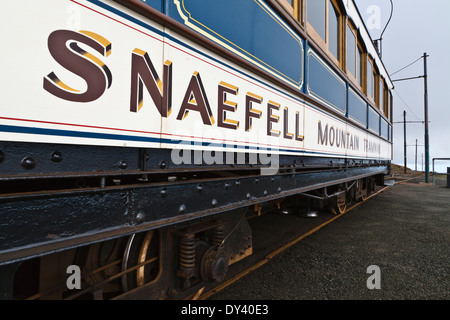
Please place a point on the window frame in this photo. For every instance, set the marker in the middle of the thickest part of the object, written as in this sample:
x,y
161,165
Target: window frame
x,y
362,61
294,10
376,80
324,43
385,99
382,93
370,92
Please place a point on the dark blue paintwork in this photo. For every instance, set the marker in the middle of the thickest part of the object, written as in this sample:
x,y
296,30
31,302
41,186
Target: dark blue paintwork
x,y
324,84
249,28
384,128
157,4
373,121
357,108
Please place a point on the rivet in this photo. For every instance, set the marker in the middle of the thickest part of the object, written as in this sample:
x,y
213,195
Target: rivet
x,y
140,217
162,165
214,202
56,156
164,192
279,189
182,209
200,187
28,163
248,195
123,164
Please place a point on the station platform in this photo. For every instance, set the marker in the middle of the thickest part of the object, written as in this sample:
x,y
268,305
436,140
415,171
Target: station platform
x,y
404,231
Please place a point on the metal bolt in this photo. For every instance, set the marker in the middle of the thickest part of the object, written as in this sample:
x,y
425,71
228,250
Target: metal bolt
x,y
214,202
123,164
140,217
56,156
164,192
182,209
28,163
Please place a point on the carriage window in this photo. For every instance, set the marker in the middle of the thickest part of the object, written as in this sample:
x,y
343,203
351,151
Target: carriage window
x,y
333,30
324,19
385,93
389,97
351,51
370,92
382,95
316,12
360,67
375,89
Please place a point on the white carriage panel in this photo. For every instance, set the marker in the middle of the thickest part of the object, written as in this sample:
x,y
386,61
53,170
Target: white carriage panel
x,y
385,150
220,106
373,146
320,134
354,141
30,112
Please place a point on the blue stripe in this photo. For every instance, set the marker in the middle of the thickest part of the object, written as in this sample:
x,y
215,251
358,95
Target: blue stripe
x,y
78,134
109,136
126,16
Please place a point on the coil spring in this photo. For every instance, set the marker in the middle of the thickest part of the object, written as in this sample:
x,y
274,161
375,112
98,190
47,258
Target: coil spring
x,y
187,252
217,235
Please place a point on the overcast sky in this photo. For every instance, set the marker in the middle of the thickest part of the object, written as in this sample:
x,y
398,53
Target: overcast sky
x,y
416,27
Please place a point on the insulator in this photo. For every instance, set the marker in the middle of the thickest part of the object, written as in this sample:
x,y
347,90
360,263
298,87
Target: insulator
x,y
187,252
217,235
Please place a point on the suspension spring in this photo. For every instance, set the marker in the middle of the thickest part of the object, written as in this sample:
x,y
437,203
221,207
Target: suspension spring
x,y
187,253
217,235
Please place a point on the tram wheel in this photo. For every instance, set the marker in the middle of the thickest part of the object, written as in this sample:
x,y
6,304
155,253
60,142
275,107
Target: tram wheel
x,y
141,249
339,209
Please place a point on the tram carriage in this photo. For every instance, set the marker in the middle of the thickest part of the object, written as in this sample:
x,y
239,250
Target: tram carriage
x,y
136,137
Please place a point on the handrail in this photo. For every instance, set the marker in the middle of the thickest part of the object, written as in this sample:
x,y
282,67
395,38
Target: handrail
x,y
434,173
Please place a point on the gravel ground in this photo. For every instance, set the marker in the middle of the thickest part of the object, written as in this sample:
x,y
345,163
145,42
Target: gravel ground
x,y
405,231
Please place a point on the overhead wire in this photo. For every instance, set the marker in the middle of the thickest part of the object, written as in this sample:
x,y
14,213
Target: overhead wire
x,y
406,66
407,105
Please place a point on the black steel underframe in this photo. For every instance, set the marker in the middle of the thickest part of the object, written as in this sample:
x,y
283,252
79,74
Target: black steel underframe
x,y
39,222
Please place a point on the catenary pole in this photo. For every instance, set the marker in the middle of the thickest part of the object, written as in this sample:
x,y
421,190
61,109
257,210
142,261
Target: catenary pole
x,y
416,156
427,142
404,141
